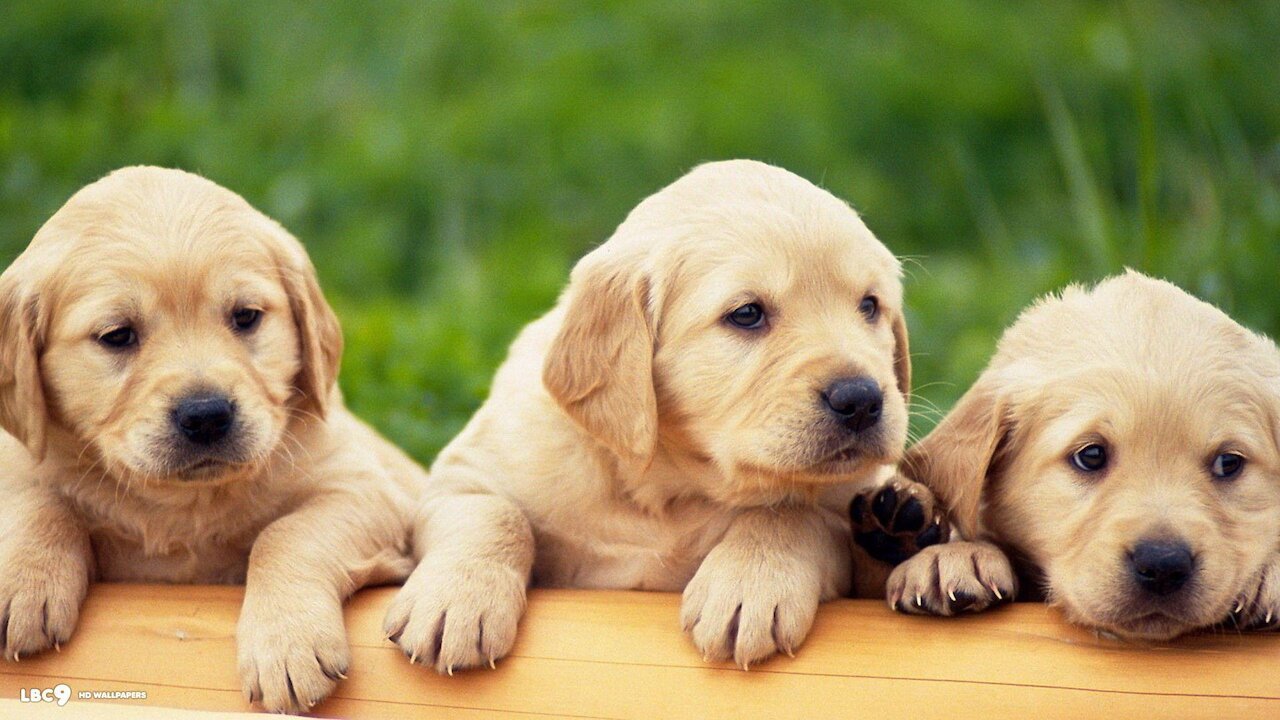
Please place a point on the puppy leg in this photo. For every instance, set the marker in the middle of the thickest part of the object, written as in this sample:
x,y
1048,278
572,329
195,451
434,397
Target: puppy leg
x,y
949,579
757,591
291,641
461,606
45,564
1259,608
892,522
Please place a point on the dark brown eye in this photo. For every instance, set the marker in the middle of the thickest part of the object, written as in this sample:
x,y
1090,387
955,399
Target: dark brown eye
x,y
1090,458
119,338
1227,466
245,319
747,317
870,308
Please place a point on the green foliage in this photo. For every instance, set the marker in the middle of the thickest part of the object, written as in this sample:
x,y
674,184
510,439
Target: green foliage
x,y
446,162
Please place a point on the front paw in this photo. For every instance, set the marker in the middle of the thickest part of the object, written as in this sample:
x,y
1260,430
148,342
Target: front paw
x,y
291,656
39,603
749,609
457,616
895,521
952,578
1259,608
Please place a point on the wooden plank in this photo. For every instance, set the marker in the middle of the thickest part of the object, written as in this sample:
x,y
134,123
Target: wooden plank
x,y
622,655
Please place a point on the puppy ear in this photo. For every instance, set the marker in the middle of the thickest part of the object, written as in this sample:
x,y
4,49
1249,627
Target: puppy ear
x,y
959,456
23,412
902,356
600,366
319,334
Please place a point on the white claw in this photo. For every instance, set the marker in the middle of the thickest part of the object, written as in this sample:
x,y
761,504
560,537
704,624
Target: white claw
x,y
919,602
951,594
449,669
492,665
996,590
1239,607
413,658
1268,620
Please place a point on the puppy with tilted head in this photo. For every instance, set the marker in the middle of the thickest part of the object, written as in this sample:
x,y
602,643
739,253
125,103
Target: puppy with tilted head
x,y
167,384
1123,450
692,415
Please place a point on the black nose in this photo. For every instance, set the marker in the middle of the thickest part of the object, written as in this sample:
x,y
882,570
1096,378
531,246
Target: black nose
x,y
855,401
204,419
1162,567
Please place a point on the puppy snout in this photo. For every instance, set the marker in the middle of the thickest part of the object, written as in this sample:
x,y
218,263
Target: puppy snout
x,y
855,402
204,419
1161,567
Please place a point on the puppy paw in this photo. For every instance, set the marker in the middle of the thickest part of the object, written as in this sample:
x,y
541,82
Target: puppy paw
x,y
39,604
291,657
748,610
1259,608
896,520
952,578
455,617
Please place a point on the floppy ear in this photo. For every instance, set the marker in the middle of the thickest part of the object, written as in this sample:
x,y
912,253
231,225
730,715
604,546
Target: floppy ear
x,y
600,366
902,356
958,457
23,412
319,334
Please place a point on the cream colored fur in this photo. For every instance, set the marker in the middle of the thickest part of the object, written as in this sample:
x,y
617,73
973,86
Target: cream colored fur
x,y
633,439
314,506
1166,383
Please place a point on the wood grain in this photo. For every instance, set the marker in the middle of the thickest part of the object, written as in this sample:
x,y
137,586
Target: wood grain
x,y
621,655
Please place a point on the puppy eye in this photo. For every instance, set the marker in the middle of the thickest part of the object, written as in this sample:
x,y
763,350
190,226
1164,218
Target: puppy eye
x,y
870,308
1227,466
747,317
1090,458
119,338
245,319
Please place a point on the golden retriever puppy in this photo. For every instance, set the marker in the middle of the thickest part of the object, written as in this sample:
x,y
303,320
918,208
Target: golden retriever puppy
x,y
167,383
694,415
1123,449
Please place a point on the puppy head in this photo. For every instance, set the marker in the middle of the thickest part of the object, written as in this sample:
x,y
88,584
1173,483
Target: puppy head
x,y
743,317
1124,442
167,326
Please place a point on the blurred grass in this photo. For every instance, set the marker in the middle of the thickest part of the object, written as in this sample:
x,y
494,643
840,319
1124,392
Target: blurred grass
x,y
446,162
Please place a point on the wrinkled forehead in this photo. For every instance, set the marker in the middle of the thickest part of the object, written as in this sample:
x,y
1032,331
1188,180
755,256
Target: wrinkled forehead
x,y
775,252
1168,411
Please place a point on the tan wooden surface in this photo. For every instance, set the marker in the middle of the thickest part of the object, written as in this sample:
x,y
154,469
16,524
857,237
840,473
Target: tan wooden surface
x,y
622,655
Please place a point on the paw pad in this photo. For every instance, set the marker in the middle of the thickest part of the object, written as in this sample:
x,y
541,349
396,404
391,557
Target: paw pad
x,y
894,522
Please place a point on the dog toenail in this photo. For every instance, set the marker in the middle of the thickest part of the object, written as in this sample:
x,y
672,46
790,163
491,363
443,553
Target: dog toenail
x,y
932,535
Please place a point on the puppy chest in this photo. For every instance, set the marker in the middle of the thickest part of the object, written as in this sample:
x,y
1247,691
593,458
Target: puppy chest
x,y
624,554
122,559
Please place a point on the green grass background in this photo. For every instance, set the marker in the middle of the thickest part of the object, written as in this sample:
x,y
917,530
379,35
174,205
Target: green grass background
x,y
446,162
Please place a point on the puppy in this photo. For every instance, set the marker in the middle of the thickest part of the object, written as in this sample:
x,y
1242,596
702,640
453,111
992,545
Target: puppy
x,y
167,385
692,415
1122,449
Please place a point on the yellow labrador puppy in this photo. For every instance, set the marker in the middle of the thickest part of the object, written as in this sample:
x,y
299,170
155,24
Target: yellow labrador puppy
x,y
167,385
1123,448
693,415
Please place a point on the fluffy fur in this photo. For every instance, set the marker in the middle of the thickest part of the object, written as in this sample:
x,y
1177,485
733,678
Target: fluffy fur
x,y
635,439
1166,383
302,502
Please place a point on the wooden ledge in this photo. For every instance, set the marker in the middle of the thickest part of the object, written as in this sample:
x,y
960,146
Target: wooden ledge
x,y
590,654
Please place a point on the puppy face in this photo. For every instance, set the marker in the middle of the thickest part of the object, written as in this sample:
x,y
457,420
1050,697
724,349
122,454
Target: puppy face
x,y
1124,442
168,327
744,317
